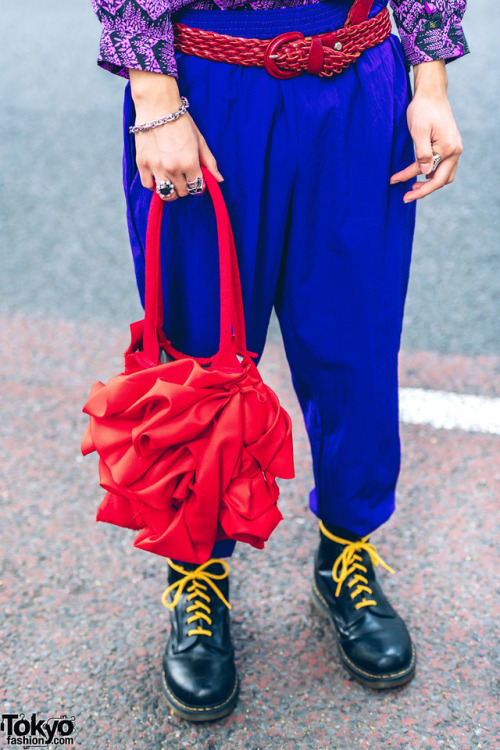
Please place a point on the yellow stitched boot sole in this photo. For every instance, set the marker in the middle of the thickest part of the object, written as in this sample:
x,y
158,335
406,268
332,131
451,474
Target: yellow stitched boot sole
x,y
376,682
198,714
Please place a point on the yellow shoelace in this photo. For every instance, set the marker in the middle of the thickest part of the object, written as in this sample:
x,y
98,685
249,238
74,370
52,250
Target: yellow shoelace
x,y
349,562
200,579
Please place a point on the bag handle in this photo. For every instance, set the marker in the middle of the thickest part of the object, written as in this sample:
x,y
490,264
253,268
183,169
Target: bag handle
x,y
232,322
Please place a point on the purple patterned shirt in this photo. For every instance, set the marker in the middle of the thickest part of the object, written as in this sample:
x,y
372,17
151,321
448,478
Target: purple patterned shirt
x,y
138,33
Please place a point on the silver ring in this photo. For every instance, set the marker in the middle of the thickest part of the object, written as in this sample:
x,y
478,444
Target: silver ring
x,y
196,186
165,188
437,158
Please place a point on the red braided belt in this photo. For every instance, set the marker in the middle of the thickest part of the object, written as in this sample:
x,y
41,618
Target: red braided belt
x,y
289,54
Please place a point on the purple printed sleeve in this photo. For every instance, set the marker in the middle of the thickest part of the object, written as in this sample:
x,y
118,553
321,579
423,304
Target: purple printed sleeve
x,y
136,34
430,30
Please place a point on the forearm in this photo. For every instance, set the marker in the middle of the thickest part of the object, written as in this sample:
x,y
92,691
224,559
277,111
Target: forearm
x,y
430,79
154,94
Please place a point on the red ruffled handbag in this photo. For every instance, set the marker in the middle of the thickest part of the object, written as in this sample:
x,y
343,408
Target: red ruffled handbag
x,y
189,448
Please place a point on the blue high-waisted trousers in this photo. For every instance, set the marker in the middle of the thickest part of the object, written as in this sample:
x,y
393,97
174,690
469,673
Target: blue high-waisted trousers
x,y
321,236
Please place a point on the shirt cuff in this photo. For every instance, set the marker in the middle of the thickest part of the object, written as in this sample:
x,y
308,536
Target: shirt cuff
x,y
119,52
432,31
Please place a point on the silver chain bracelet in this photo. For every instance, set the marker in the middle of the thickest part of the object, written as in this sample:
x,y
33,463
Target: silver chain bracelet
x,y
163,120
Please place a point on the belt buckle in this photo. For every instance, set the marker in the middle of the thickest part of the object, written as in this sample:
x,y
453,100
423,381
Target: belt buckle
x,y
271,53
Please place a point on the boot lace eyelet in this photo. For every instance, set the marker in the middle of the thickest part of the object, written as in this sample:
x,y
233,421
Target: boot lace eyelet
x,y
349,567
202,586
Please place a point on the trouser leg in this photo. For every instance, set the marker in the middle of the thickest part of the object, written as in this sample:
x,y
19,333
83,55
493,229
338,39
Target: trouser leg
x,y
307,164
344,279
251,146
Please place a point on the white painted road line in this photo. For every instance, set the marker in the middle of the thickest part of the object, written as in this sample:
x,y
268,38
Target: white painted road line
x,y
449,411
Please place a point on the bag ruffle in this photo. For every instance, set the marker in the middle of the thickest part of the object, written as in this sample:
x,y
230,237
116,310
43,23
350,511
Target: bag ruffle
x,y
189,455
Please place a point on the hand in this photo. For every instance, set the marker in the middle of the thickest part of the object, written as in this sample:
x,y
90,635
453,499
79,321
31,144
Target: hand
x,y
433,129
173,151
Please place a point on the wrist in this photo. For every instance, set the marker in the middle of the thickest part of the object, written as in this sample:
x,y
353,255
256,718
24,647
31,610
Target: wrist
x,y
153,93
430,78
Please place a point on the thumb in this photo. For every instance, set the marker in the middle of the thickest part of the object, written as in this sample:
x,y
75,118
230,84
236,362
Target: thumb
x,y
207,159
423,151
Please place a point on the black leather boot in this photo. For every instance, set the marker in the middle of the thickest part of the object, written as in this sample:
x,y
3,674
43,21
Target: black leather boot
x,y
199,675
373,640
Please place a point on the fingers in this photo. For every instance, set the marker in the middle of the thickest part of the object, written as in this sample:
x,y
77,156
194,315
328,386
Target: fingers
x,y
193,173
151,178
147,179
443,175
424,162
423,150
179,180
405,174
208,159
452,176
174,155
173,195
